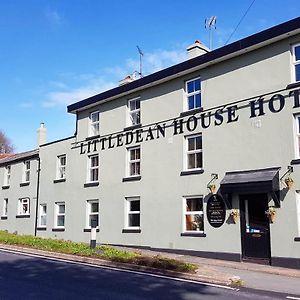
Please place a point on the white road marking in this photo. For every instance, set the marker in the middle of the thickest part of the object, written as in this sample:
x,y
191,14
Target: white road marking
x,y
120,270
294,298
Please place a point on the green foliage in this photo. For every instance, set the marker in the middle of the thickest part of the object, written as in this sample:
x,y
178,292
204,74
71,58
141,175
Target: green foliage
x,y
103,252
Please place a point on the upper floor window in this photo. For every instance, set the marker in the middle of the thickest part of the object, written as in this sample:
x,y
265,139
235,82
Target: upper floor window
x,y
61,167
26,171
93,168
7,172
193,214
193,93
134,161
194,158
296,62
134,108
92,213
94,123
23,206
5,207
297,141
43,215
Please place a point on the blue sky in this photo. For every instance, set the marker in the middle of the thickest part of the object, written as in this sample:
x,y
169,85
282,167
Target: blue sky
x,y
57,52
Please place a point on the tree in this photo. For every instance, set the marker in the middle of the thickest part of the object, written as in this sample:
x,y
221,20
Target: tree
x,y
5,144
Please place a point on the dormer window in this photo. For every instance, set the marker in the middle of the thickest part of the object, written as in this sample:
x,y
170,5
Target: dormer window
x,y
94,124
296,62
134,111
193,94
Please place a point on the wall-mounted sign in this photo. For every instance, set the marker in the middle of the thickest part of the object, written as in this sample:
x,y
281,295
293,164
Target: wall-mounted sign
x,y
216,211
197,122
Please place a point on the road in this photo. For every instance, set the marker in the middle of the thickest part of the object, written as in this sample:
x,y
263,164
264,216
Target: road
x,y
27,277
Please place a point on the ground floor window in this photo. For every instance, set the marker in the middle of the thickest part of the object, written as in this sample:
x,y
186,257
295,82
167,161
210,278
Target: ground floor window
x,y
298,212
92,213
43,215
193,214
5,207
60,214
132,219
23,206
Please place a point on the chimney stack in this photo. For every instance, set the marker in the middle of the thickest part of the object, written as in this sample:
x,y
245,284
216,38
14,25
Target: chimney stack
x,y
196,49
41,135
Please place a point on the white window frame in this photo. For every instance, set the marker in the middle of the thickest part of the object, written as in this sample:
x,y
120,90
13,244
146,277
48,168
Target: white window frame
x,y
128,212
136,111
294,63
136,161
58,214
94,126
5,207
194,93
190,152
7,175
92,169
22,203
42,213
90,213
61,168
26,171
191,213
298,211
297,135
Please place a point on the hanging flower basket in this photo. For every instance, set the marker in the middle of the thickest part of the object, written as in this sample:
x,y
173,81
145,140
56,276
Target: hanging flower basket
x,y
289,182
234,215
212,188
271,214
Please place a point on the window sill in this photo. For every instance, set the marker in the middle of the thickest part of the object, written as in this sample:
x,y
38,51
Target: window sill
x,y
128,230
24,183
293,85
89,230
193,234
132,127
59,180
295,162
58,229
297,239
133,178
22,216
191,172
41,228
191,112
90,184
92,137
3,217
5,187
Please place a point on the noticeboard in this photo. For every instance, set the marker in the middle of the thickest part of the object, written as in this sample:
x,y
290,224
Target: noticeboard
x,y
216,210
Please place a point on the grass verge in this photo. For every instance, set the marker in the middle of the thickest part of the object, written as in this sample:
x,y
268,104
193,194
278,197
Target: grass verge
x,y
103,252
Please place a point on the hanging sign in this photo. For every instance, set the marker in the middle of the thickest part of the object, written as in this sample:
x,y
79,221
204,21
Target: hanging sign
x,y
216,210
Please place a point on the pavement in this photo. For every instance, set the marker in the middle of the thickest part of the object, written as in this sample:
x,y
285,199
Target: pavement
x,y
238,274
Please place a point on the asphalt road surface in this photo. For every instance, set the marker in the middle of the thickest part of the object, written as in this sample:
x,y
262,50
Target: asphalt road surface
x,y
26,277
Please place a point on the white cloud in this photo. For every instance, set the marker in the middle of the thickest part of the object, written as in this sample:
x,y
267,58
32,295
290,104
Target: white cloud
x,y
70,95
54,18
92,84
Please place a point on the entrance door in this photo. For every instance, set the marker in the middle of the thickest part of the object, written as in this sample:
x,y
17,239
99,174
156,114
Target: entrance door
x,y
255,229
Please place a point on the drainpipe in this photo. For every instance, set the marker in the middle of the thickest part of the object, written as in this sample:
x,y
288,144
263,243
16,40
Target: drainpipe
x,y
37,196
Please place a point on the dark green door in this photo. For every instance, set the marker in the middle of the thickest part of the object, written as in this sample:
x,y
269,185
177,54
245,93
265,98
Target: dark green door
x,y
255,228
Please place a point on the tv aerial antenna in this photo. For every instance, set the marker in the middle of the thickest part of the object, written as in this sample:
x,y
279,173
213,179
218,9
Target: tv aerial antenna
x,y
141,54
210,24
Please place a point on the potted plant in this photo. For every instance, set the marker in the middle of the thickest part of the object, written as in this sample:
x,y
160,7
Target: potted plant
x,y
289,182
271,213
234,215
212,188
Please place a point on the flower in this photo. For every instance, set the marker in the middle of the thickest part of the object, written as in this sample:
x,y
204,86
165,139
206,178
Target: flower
x,y
235,213
270,211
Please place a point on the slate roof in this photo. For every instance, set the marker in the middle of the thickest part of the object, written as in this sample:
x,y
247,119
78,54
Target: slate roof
x,y
19,157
